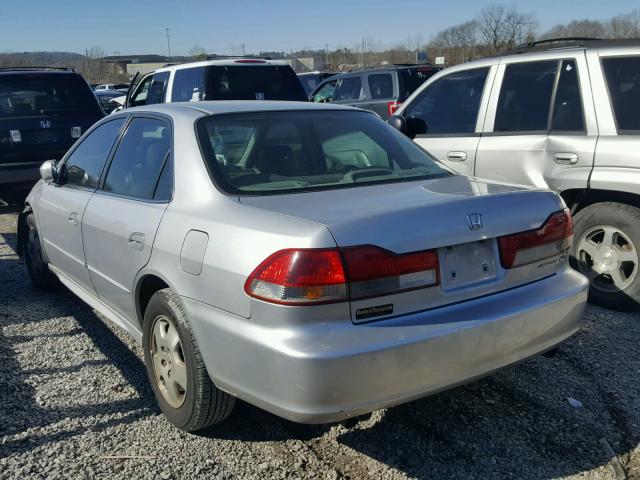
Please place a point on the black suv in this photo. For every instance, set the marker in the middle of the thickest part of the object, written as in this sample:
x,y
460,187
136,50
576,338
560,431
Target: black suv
x,y
381,90
43,111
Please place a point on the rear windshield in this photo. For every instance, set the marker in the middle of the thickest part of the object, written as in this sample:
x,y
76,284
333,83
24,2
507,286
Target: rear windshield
x,y
412,78
253,83
41,94
277,152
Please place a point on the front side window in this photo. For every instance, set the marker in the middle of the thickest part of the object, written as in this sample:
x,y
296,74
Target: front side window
x,y
325,93
84,165
381,85
138,161
188,85
525,97
279,152
623,81
142,90
451,104
349,88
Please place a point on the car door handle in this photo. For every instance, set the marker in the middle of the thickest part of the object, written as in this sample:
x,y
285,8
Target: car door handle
x,y
73,219
136,241
456,156
565,158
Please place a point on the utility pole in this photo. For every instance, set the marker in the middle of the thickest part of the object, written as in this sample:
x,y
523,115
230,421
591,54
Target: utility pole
x,y
168,42
363,53
326,55
243,54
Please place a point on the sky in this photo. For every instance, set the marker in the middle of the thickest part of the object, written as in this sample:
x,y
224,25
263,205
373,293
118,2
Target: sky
x,y
138,26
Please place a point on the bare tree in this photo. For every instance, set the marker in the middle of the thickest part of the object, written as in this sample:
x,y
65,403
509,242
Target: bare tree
x,y
624,26
500,27
95,52
578,28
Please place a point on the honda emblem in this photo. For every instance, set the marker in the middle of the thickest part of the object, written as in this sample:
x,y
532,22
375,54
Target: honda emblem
x,y
474,220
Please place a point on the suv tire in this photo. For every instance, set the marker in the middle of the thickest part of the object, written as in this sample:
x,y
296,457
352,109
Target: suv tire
x,y
606,248
180,381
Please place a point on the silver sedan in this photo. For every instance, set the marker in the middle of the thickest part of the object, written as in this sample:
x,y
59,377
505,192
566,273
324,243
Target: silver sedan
x,y
308,259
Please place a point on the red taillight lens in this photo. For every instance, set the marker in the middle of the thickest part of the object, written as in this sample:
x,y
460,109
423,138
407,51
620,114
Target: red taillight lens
x,y
312,276
373,271
392,107
550,240
299,277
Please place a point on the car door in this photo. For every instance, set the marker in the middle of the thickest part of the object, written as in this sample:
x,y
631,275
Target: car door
x,y
382,91
453,108
63,203
139,96
122,217
540,128
324,93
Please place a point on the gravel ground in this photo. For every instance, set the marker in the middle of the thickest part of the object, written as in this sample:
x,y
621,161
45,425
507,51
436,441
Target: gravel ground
x,y
75,403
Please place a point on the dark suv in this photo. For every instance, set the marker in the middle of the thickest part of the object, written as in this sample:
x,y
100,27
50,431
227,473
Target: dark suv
x,y
43,111
380,90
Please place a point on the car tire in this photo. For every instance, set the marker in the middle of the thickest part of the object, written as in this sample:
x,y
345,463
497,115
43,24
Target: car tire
x,y
41,277
606,248
189,399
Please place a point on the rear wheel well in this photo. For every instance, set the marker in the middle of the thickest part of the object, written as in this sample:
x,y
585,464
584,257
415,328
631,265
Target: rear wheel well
x,y
149,285
577,199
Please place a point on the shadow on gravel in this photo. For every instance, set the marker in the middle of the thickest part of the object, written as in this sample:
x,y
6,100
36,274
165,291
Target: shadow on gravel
x,y
22,412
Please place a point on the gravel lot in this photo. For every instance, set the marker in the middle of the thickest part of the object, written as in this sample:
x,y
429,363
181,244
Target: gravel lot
x,y
75,404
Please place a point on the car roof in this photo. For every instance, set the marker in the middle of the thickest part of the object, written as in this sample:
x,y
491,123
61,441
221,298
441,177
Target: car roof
x,y
564,44
235,106
239,62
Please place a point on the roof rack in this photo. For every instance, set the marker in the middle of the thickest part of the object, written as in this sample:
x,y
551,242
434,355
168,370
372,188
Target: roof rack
x,y
560,40
66,69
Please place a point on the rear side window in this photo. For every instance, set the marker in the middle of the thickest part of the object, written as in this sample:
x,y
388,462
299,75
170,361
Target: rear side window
x,y
567,106
623,82
83,167
188,85
348,88
380,85
140,158
253,82
525,97
451,104
41,94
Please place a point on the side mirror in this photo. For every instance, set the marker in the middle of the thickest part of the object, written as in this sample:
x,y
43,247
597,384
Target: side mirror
x,y
48,171
409,126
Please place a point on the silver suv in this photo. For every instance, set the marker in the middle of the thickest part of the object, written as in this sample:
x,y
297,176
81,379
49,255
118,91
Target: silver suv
x,y
564,116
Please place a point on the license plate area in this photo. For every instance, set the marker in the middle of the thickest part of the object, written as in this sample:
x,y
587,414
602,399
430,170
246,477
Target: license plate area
x,y
467,264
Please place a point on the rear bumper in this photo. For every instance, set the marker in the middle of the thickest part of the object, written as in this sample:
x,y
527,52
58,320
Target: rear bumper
x,y
329,372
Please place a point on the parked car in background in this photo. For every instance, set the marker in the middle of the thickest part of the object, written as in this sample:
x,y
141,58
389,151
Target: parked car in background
x,y
43,111
112,86
310,80
228,79
554,115
105,98
380,90
306,258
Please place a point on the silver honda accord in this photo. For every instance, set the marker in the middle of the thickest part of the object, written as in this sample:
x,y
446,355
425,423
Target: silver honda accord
x,y
308,259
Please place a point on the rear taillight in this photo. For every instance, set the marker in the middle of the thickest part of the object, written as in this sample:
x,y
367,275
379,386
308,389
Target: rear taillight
x,y
373,271
550,240
314,276
299,277
392,107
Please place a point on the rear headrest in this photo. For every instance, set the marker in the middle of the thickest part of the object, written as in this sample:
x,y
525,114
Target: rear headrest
x,y
279,160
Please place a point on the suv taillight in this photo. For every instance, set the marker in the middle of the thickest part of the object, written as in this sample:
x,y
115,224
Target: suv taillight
x,y
315,276
550,240
392,107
